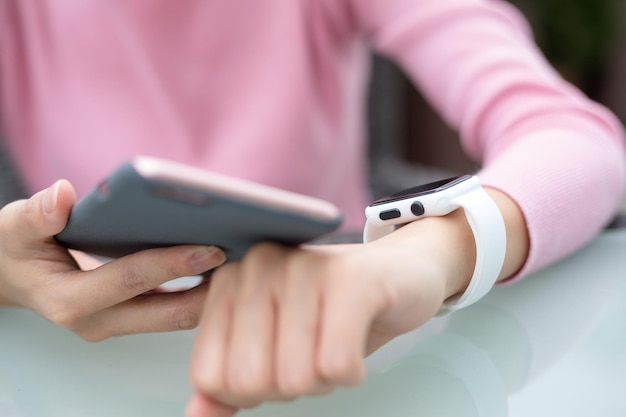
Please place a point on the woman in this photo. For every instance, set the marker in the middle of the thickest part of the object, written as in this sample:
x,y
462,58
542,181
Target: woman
x,y
273,92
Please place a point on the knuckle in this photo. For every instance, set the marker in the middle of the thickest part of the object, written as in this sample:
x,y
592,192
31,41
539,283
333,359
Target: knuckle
x,y
177,261
72,317
262,254
206,382
248,290
261,265
343,371
249,383
332,370
185,316
64,314
296,383
133,280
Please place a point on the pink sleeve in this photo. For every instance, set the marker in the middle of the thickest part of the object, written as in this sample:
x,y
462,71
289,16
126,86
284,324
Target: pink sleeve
x,y
559,155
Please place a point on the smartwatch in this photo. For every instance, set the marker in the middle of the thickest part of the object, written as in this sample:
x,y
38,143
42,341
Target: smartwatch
x,y
438,199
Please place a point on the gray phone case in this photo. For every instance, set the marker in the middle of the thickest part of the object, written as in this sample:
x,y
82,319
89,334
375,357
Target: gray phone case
x,y
128,213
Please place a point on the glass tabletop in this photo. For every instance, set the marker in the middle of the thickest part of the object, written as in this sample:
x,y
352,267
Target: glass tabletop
x,y
551,345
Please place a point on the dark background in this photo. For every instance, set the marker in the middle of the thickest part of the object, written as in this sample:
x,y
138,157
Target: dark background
x,y
584,39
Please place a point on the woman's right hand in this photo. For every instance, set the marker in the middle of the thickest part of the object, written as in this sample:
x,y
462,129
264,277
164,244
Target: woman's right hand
x,y
116,298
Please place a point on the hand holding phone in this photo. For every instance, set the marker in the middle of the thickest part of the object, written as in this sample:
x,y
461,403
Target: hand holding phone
x,y
149,203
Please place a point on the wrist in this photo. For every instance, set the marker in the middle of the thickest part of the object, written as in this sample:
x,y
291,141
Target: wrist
x,y
458,246
460,257
453,247
419,265
445,243
438,199
474,225
518,241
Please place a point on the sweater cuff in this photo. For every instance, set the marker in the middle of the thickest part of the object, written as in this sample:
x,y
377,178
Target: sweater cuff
x,y
567,185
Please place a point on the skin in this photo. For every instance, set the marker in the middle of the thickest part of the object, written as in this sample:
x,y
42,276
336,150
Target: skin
x,y
279,324
103,300
285,323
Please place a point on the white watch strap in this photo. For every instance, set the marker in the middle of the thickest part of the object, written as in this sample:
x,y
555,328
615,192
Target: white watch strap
x,y
485,220
371,232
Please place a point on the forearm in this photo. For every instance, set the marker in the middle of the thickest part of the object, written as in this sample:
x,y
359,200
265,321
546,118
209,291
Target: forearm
x,y
554,152
568,185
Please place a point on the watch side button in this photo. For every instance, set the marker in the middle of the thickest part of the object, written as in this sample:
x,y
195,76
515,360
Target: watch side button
x,y
389,214
417,208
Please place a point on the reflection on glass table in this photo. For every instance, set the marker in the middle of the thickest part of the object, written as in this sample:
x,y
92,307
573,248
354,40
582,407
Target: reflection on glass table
x,y
551,345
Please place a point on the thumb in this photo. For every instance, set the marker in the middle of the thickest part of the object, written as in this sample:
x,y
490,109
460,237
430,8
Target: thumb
x,y
41,216
203,406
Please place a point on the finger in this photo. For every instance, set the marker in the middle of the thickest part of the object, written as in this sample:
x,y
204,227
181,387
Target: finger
x,y
146,314
202,406
41,216
125,278
208,358
297,335
347,313
251,346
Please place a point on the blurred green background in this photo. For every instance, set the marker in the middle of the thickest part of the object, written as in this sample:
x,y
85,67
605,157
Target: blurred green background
x,y
585,40
577,36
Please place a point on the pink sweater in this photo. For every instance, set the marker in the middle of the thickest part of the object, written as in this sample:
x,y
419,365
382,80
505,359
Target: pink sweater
x,y
274,91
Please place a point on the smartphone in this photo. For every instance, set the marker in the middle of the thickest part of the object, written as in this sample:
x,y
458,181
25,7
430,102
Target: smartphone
x,y
149,203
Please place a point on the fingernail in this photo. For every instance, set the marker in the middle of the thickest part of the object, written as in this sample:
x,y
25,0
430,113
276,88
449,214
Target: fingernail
x,y
50,198
207,257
